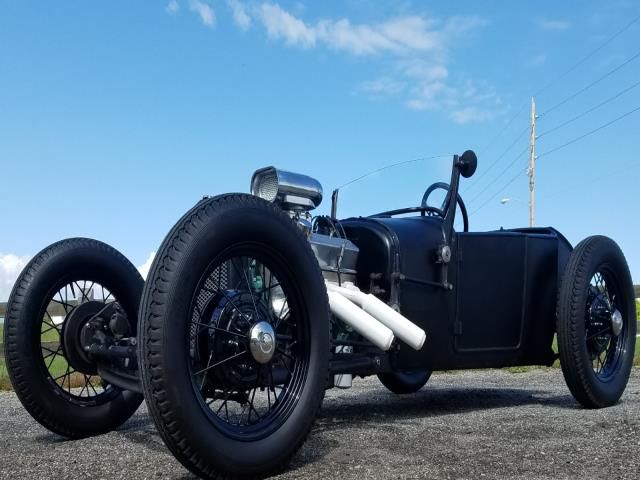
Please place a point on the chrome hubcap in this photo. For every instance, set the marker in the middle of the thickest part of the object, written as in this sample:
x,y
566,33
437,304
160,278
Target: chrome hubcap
x,y
262,342
616,322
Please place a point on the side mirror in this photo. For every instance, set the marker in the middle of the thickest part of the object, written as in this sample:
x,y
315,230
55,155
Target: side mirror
x,y
468,163
464,165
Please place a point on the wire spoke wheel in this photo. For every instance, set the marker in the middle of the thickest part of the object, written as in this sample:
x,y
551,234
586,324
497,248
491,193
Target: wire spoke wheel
x,y
603,336
247,357
80,386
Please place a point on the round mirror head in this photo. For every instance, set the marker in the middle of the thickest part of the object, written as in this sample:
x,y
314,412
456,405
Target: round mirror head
x,y
468,163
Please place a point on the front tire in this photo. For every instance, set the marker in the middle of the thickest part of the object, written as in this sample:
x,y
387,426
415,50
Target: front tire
x,y
208,310
596,322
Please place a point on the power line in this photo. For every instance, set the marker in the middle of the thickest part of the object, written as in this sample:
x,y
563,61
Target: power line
x,y
611,122
504,187
558,192
608,100
598,179
502,130
494,163
518,157
584,89
589,55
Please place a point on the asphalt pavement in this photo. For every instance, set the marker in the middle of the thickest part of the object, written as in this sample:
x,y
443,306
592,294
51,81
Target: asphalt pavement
x,y
468,425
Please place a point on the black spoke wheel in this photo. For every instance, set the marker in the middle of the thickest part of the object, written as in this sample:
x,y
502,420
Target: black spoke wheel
x,y
604,325
596,322
70,372
249,353
234,338
59,291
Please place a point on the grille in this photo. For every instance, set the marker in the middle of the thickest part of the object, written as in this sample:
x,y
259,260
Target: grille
x,y
268,187
218,280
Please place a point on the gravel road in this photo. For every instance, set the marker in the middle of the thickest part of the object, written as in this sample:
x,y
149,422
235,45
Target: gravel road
x,y
487,424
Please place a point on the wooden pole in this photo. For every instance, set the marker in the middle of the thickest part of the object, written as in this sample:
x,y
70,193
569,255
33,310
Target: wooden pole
x,y
532,163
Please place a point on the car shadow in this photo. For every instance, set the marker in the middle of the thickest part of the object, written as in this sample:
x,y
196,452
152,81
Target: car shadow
x,y
435,401
384,409
371,407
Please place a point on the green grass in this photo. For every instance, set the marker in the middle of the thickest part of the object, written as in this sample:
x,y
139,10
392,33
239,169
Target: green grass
x,y
57,367
556,364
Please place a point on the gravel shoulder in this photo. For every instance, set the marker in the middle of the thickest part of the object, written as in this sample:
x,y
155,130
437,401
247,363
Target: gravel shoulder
x,y
484,424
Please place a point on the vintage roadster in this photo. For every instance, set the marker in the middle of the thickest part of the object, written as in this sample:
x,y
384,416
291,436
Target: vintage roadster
x,y
253,308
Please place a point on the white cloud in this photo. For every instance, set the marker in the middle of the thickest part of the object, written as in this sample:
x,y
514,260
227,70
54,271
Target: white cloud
x,y
282,25
400,35
240,15
430,95
430,90
146,266
415,49
465,102
423,70
472,114
10,268
547,24
397,36
382,86
172,7
204,11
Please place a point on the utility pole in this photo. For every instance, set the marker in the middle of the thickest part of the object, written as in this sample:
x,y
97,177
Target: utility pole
x,y
532,161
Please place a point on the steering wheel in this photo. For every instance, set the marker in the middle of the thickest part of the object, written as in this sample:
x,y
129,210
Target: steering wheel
x,y
442,211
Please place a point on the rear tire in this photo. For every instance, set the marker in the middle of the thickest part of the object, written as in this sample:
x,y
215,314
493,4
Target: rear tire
x,y
596,361
403,383
181,398
47,400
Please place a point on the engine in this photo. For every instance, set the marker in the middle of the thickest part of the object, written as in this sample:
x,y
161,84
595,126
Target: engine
x,y
297,195
358,314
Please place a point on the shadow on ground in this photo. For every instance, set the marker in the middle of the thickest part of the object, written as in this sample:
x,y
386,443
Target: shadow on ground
x,y
369,408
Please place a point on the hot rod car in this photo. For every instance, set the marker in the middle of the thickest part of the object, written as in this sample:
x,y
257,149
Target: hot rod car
x,y
253,308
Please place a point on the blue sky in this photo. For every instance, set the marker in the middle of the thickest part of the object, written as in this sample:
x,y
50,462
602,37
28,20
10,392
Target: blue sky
x,y
115,117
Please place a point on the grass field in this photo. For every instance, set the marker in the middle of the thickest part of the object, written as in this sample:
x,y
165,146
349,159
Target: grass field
x,y
57,365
